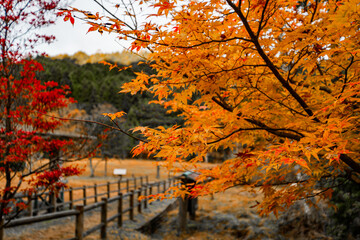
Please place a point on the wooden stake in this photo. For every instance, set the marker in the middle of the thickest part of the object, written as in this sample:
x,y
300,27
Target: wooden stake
x,y
79,227
103,218
120,210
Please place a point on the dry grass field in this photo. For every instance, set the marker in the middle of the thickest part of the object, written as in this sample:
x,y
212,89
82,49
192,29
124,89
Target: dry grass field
x,y
133,167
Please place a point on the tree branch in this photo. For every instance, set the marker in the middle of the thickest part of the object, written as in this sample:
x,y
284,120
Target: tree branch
x,y
276,131
102,124
270,64
297,137
253,129
262,19
314,13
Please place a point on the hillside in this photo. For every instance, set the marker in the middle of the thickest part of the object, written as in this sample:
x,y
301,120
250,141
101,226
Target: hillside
x,y
96,90
123,58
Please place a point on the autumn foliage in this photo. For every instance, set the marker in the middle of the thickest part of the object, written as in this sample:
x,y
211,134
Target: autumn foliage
x,y
277,82
25,103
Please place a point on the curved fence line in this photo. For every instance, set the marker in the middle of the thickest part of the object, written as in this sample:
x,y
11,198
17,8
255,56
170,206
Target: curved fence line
x,y
131,196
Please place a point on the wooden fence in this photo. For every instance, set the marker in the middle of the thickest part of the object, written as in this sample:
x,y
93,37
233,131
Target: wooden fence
x,y
46,202
133,192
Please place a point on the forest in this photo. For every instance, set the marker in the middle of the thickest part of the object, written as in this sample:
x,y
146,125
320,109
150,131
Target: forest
x,y
96,91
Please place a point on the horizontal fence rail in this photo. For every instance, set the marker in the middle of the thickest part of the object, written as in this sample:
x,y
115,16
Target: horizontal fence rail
x,y
47,202
131,196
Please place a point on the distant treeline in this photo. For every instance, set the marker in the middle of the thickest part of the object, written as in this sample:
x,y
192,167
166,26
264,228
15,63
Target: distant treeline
x,y
96,90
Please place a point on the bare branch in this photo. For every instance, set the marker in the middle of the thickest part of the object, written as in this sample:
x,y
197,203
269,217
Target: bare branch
x,y
262,19
314,13
102,124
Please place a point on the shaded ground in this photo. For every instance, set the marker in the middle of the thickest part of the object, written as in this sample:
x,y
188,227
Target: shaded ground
x,y
229,216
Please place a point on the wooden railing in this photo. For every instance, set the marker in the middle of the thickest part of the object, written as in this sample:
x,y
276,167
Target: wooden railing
x,y
131,196
43,203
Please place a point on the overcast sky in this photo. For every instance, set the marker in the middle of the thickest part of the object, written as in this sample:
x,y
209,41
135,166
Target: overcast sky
x,y
70,39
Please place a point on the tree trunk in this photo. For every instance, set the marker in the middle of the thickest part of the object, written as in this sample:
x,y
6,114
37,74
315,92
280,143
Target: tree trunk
x,y
105,174
92,170
158,172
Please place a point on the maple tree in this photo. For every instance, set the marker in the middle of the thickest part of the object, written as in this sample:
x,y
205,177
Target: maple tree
x,y
277,79
25,101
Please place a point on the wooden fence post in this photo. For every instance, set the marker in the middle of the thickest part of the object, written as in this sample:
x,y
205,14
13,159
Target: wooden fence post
x,y
141,181
63,198
103,218
145,194
79,224
30,204
120,210
147,180
131,211
134,182
158,172
84,195
158,187
150,191
71,198
170,184
95,192
53,201
182,214
139,201
127,185
108,189
164,186
36,204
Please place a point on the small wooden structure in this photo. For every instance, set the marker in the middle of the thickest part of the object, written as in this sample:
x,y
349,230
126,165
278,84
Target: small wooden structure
x,y
187,204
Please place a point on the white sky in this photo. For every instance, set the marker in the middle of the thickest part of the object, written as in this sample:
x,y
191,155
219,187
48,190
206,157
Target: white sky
x,y
71,39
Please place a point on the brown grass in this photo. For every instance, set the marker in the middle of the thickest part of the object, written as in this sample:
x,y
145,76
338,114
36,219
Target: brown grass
x,y
134,167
